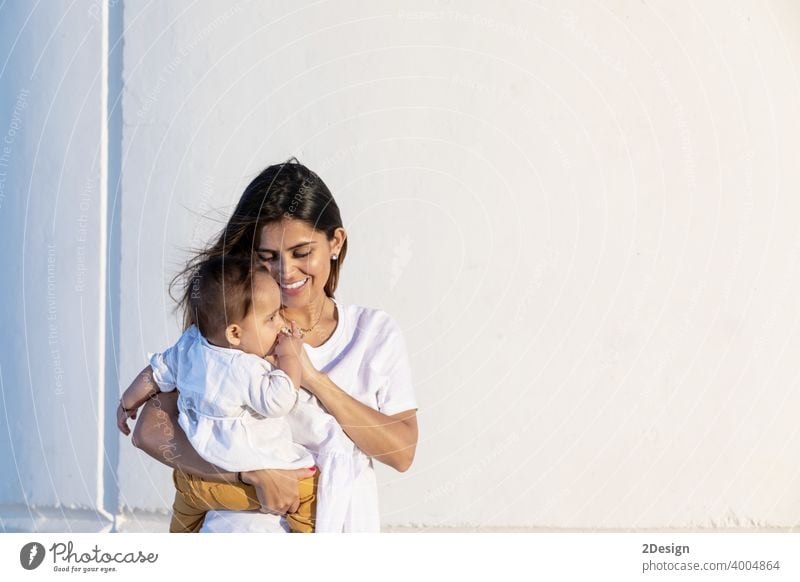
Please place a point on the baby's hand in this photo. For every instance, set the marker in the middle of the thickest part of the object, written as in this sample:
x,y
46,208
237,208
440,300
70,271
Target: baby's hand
x,y
290,342
290,352
123,414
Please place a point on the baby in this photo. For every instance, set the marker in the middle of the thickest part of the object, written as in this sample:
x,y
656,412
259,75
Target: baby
x,y
238,411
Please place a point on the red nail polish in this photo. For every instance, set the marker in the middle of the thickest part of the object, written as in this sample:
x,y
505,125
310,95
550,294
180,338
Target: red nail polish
x,y
313,469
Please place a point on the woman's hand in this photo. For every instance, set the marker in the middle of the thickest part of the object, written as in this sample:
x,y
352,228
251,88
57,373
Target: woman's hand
x,y
277,489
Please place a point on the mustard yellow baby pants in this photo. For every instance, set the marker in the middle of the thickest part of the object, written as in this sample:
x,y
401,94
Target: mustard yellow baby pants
x,y
195,496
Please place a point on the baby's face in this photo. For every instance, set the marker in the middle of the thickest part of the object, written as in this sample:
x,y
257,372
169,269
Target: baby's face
x,y
263,322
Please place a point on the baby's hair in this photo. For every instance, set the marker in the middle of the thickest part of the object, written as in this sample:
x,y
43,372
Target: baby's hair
x,y
220,292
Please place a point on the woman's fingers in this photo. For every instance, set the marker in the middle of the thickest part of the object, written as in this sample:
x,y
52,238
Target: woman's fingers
x,y
305,473
262,495
299,475
272,510
276,489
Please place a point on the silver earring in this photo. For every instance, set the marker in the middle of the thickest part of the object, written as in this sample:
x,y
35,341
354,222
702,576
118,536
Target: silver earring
x,y
334,257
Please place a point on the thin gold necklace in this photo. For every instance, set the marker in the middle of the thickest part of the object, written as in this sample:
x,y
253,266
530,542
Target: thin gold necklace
x,y
305,331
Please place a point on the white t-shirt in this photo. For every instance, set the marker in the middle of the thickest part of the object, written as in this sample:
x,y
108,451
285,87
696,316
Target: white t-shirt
x,y
366,356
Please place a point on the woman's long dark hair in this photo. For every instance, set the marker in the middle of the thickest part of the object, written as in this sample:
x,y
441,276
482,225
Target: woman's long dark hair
x,y
287,190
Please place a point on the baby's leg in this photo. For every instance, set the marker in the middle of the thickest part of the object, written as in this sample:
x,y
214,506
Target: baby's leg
x,y
195,496
302,521
186,517
187,513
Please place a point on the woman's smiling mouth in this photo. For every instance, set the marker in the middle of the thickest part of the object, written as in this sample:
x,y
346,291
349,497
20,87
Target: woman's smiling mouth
x,y
292,288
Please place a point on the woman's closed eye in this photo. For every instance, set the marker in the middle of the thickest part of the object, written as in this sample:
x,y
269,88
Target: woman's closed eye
x,y
271,258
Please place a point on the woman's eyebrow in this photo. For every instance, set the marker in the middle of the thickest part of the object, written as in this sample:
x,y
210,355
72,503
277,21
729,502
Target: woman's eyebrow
x,y
309,242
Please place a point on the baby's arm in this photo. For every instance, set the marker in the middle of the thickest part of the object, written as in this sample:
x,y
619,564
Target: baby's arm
x,y
288,360
139,392
273,391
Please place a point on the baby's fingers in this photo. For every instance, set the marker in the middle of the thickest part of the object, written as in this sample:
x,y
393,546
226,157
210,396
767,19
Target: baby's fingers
x,y
122,421
122,425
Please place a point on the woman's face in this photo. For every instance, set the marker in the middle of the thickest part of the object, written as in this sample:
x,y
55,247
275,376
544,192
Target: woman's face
x,y
299,258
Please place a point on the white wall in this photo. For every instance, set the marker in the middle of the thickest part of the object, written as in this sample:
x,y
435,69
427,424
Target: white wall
x,y
51,220
582,216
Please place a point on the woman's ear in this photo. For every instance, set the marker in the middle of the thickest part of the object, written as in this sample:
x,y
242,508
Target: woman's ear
x,y
233,333
339,236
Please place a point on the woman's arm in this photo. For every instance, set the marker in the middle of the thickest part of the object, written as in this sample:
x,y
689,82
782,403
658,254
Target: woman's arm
x,y
158,434
390,439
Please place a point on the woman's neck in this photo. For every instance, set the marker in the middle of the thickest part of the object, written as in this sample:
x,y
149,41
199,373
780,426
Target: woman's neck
x,y
307,315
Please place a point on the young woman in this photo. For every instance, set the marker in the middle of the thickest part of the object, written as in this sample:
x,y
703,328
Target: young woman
x,y
355,362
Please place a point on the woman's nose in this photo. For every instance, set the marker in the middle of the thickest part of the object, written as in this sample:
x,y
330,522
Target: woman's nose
x,y
285,269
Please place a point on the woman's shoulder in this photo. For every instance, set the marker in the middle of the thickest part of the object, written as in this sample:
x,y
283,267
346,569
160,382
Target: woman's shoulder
x,y
370,320
379,334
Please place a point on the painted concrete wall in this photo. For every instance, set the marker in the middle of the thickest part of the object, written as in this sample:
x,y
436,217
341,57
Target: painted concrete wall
x,y
51,220
582,216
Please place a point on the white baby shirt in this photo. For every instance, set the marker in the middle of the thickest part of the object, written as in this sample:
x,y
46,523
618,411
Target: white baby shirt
x,y
231,404
241,414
